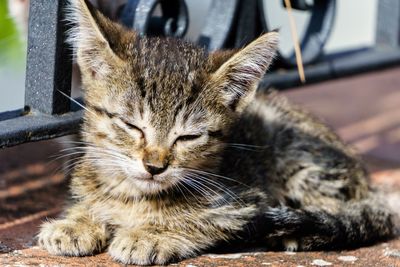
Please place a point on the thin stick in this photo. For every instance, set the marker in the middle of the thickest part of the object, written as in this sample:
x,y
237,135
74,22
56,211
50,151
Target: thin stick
x,y
296,43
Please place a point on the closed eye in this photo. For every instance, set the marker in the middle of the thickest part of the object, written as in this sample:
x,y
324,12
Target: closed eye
x,y
189,137
132,126
113,115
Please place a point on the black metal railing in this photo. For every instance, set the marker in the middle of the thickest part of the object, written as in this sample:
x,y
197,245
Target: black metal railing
x,y
47,113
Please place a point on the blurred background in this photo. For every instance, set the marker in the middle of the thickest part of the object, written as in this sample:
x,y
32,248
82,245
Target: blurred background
x,y
354,28
12,61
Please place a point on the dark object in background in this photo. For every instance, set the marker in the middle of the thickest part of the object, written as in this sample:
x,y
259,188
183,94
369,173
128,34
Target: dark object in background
x,y
174,20
231,23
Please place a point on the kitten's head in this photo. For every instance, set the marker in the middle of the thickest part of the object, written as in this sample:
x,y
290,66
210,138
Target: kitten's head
x,y
158,109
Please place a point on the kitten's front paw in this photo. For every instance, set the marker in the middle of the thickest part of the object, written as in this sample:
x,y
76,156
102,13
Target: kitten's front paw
x,y
69,238
147,247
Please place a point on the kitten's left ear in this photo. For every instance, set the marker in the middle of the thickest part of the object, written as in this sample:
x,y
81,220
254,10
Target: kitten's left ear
x,y
97,40
237,79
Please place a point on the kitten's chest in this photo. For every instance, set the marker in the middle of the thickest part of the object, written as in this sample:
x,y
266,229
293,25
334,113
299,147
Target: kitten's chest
x,y
141,213
178,216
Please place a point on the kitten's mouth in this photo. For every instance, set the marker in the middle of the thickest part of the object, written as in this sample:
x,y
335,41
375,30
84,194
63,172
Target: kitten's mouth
x,y
154,181
151,185
149,179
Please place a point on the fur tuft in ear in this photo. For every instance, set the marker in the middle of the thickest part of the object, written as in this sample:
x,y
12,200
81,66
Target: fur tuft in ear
x,y
219,57
238,77
92,36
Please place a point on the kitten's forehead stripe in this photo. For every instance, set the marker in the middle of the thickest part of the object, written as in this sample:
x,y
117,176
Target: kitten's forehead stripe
x,y
167,80
178,109
140,83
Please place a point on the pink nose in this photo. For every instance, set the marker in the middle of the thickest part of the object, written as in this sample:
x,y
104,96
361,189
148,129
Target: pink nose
x,y
155,160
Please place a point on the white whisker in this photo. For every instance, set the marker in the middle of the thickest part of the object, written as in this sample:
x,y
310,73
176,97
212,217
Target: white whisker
x,y
216,175
222,188
76,102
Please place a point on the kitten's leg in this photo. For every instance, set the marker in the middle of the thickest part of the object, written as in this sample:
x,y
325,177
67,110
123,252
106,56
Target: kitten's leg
x,y
75,235
290,244
154,246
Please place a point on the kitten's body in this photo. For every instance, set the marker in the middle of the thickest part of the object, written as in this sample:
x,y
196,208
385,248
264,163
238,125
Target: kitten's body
x,y
179,158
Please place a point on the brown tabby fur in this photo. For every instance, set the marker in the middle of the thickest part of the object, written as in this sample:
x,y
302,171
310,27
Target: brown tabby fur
x,y
178,156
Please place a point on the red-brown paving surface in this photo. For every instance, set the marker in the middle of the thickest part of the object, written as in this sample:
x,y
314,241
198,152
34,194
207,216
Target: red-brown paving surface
x,y
364,109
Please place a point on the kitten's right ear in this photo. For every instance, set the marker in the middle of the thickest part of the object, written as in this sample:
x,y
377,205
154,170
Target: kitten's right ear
x,y
93,37
237,78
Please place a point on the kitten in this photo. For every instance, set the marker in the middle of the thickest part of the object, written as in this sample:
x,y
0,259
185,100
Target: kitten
x,y
181,156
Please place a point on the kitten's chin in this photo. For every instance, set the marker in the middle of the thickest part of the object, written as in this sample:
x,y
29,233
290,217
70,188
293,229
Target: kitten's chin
x,y
150,186
144,182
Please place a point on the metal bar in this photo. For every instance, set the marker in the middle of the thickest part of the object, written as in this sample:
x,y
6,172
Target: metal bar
x,y
248,25
49,65
6,115
388,24
219,24
333,67
35,127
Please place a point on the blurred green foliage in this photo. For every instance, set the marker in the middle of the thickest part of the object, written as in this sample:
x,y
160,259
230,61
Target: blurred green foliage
x,y
12,50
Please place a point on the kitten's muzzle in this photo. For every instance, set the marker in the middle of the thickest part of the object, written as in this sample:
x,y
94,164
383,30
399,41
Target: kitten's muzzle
x,y
155,161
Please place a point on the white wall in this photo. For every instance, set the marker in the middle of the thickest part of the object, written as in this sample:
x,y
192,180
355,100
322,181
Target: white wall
x,y
355,25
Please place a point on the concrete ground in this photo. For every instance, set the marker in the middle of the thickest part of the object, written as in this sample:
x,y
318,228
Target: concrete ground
x,y
365,110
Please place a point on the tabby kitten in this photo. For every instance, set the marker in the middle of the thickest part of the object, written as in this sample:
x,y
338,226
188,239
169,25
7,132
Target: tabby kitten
x,y
179,156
